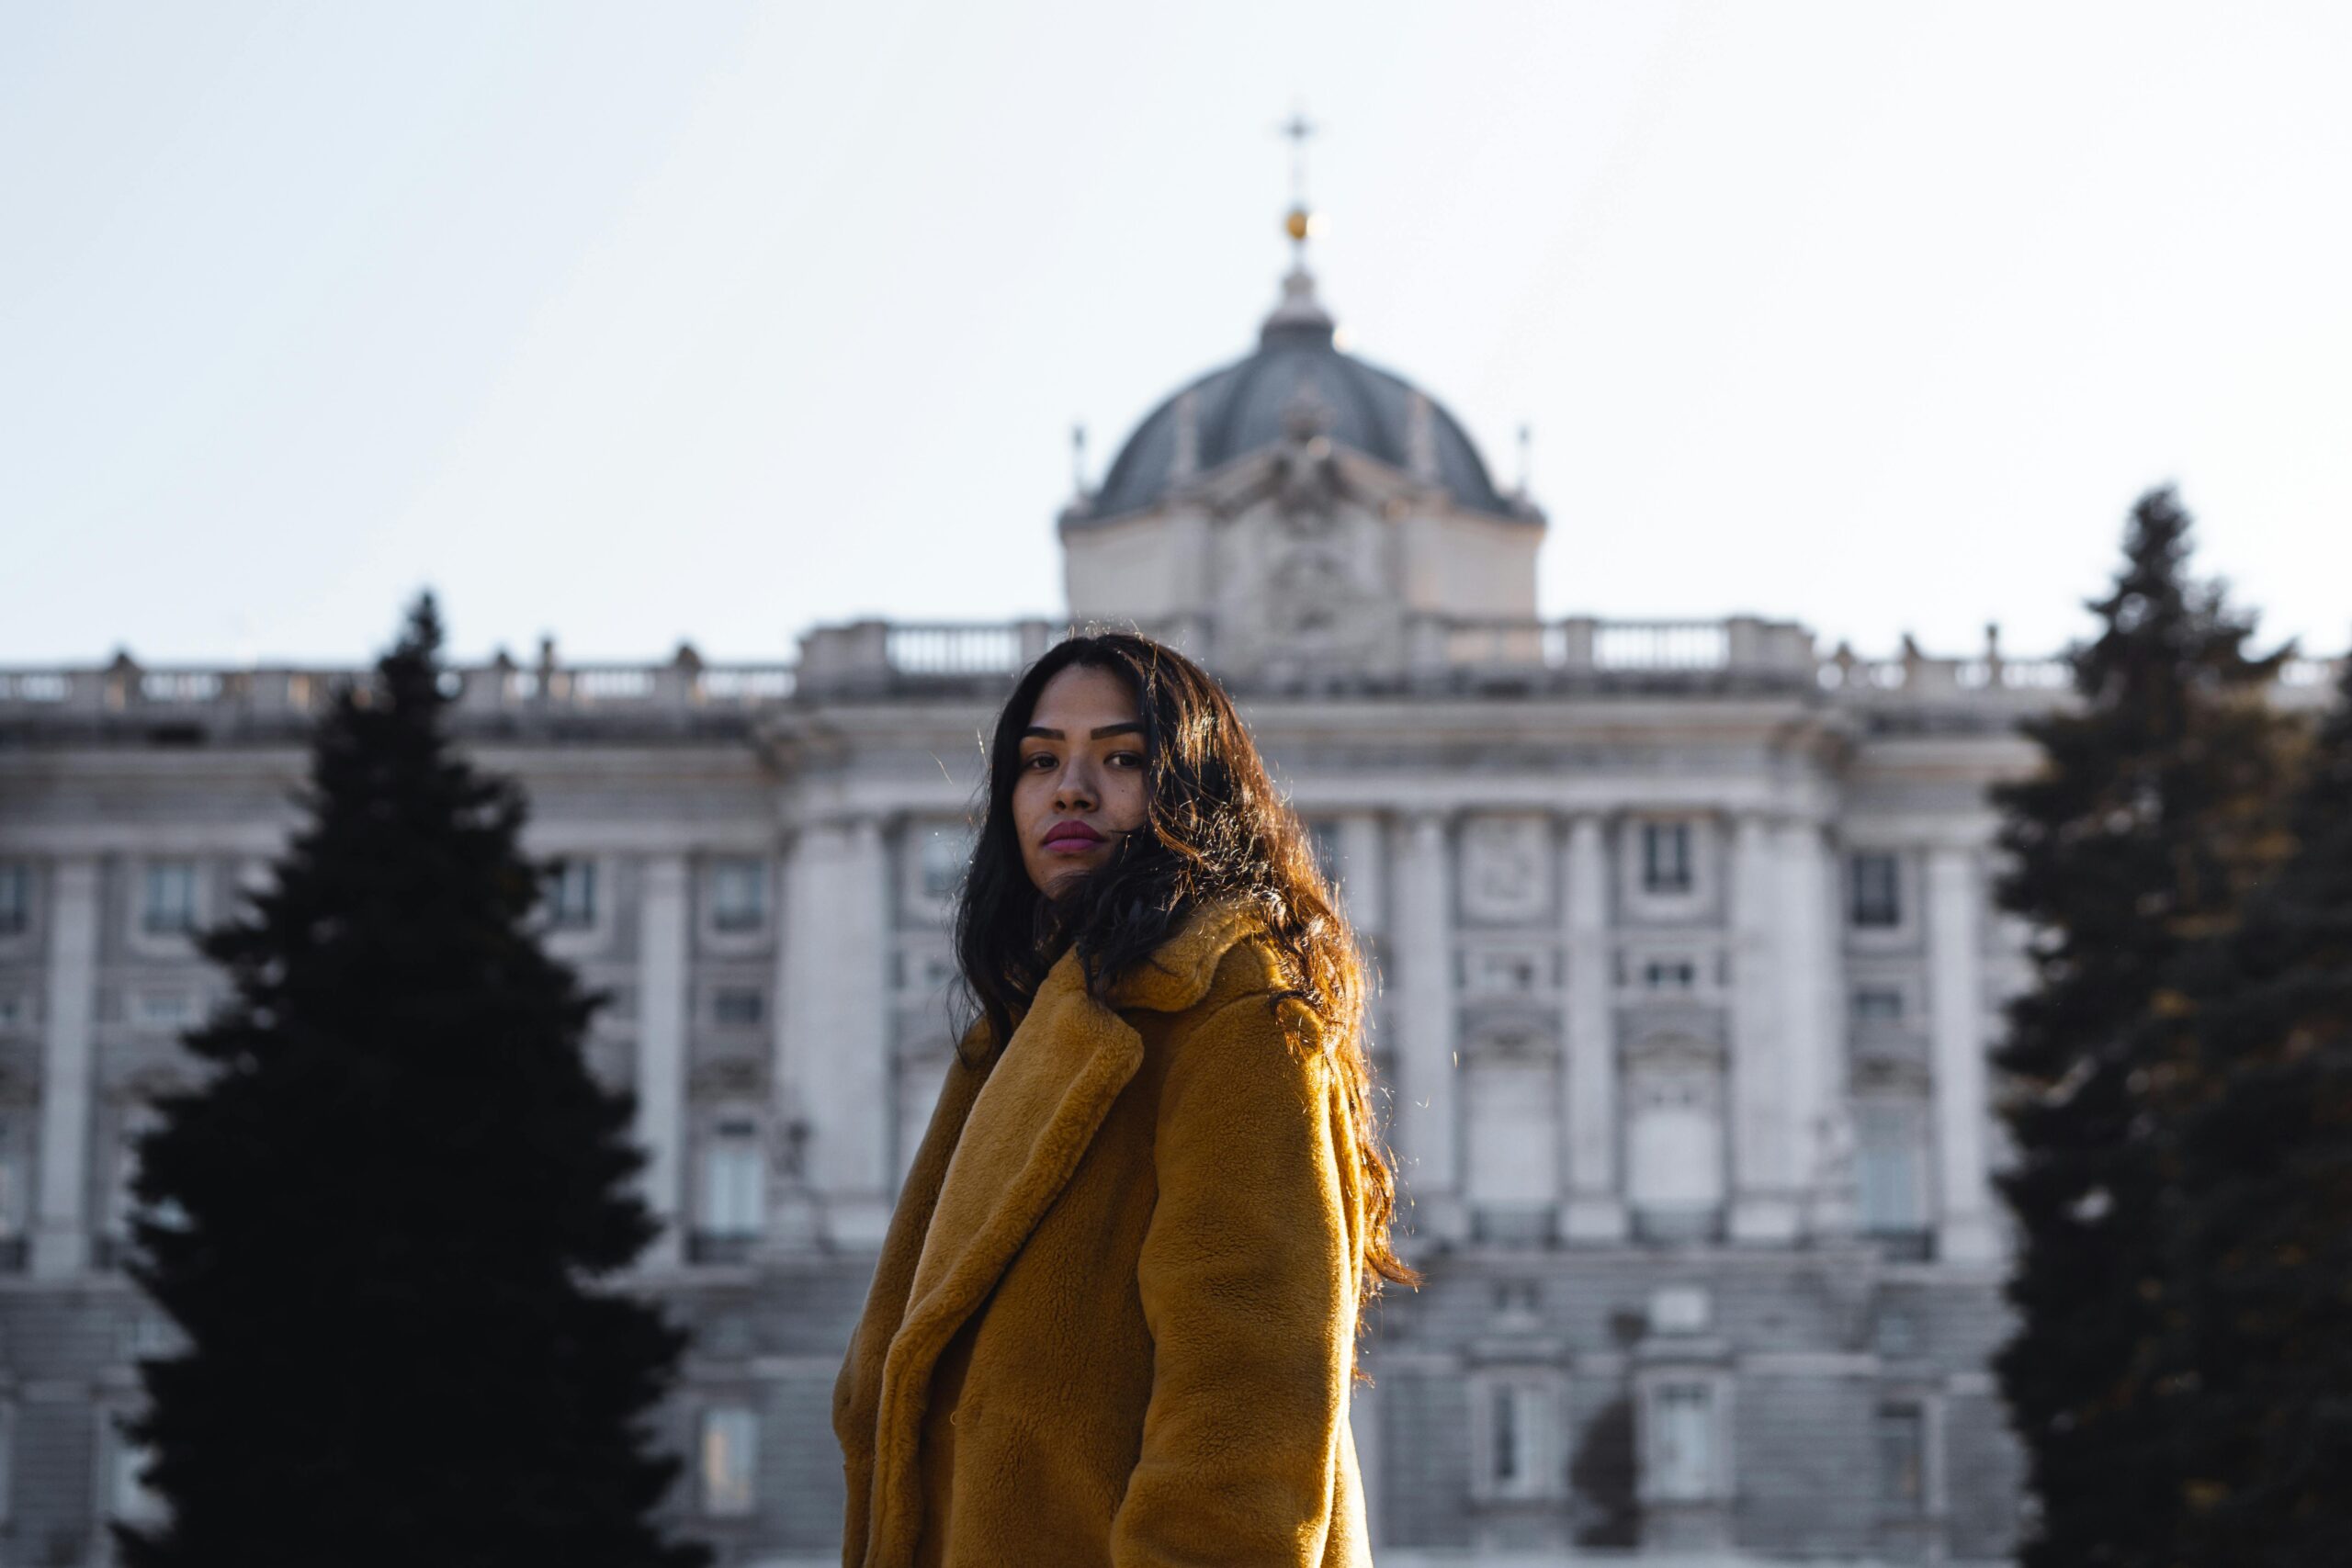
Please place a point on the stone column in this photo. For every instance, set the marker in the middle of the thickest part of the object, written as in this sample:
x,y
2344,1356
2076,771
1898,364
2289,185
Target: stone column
x,y
1763,1189
836,1042
1420,925
1595,1210
1964,1229
663,969
1812,977
60,1226
1361,879
795,1223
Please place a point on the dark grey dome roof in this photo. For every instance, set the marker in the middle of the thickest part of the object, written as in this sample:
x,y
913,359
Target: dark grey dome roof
x,y
1248,405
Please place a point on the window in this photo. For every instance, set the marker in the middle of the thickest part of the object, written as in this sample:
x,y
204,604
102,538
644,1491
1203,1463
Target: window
x,y
121,1204
1509,1466
1670,974
128,1495
1674,1154
1874,887
1900,1437
734,1181
729,1460
14,1012
739,894
1518,1460
1878,1004
1665,857
1518,1298
152,1335
736,1005
15,1188
941,858
165,1010
571,895
1503,974
15,897
169,905
1682,1442
1681,1309
1511,1158
121,1198
1891,1195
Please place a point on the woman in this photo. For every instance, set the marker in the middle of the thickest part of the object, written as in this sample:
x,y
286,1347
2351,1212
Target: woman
x,y
1115,1319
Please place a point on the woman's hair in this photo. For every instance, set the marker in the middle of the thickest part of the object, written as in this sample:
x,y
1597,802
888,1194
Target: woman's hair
x,y
1215,832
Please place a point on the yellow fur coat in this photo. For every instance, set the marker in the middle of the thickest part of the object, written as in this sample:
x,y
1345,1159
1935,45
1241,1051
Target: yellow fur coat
x,y
1114,1322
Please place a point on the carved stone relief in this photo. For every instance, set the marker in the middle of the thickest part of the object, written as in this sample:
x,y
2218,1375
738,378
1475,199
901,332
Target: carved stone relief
x,y
1504,867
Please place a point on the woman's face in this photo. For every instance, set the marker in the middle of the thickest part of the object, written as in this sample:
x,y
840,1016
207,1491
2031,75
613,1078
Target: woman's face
x,y
1080,782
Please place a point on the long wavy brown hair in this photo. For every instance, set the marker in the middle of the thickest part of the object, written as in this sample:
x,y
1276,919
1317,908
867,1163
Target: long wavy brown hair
x,y
1216,831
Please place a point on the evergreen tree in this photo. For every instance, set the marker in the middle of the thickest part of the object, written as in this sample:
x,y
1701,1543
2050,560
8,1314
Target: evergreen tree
x,y
2262,1250
2154,808
381,1219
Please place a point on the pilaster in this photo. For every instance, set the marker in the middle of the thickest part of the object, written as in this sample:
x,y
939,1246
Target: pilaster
x,y
1964,1229
60,1227
1429,1120
1811,968
662,970
835,1009
1763,1187
1595,1209
795,1219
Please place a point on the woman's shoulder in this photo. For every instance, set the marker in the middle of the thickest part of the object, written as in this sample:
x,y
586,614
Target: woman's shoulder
x,y
1253,993
1252,966
1223,962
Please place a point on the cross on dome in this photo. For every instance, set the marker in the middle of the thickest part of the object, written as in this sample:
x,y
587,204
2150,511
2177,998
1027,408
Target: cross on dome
x,y
1298,310
1299,222
1297,378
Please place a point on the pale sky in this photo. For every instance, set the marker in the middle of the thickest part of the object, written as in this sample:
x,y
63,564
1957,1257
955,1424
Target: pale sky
x,y
632,324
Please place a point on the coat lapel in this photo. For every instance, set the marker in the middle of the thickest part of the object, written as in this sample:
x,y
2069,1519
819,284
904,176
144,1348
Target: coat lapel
x,y
1046,1096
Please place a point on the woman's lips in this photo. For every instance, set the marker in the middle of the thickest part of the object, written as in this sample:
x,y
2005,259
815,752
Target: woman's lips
x,y
1071,838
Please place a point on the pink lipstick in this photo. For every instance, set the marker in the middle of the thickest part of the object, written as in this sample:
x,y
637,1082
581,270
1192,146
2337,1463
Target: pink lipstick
x,y
1071,838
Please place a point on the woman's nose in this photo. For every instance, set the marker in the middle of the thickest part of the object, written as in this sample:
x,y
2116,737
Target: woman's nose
x,y
1074,790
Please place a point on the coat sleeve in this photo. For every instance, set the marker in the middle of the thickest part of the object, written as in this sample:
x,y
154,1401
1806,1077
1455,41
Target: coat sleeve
x,y
1249,1293
857,1390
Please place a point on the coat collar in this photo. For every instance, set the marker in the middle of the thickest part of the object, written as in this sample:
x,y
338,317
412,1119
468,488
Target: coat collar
x,y
1181,972
1046,1095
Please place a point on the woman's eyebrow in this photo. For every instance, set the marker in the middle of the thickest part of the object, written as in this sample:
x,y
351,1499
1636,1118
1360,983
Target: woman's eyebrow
x,y
1039,732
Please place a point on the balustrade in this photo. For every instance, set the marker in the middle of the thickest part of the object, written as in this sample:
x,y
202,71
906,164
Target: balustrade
x,y
875,657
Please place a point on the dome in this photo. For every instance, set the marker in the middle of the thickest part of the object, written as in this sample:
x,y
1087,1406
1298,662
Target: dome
x,y
1256,402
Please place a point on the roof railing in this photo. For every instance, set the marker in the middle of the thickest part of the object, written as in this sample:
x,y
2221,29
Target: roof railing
x,y
877,658
127,689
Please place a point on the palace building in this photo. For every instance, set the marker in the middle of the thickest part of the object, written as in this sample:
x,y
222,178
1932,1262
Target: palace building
x,y
1690,972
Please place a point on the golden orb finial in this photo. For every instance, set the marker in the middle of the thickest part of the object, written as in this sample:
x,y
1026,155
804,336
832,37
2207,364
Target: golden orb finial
x,y
1298,224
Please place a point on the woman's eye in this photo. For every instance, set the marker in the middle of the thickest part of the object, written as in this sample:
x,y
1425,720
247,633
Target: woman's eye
x,y
1038,760
1126,758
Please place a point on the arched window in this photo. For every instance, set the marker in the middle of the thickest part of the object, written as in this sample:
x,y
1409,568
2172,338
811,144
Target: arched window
x,y
1512,1157
1891,1174
1674,1142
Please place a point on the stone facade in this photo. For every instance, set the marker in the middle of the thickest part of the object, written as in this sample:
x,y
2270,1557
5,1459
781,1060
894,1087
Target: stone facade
x,y
1688,972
